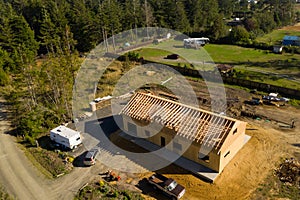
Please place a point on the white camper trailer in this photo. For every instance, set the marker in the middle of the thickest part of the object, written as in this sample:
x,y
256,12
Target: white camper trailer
x,y
65,137
195,42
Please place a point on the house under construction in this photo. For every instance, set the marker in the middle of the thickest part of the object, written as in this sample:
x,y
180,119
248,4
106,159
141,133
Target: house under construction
x,y
212,139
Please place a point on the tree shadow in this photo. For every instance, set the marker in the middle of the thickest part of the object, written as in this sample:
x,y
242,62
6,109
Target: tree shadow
x,y
178,46
46,143
78,161
12,132
296,145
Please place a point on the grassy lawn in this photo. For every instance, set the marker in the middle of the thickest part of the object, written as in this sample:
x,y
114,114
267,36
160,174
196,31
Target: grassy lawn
x,y
238,55
174,47
276,36
214,52
266,78
258,65
51,161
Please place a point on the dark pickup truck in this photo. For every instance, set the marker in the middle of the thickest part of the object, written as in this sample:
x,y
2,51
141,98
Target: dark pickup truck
x,y
167,185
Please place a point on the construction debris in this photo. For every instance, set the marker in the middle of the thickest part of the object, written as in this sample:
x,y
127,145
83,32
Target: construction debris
x,y
289,172
112,176
273,99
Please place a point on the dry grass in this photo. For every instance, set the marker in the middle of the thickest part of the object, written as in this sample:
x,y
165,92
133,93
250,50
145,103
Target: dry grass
x,y
4,195
295,27
111,76
248,169
50,161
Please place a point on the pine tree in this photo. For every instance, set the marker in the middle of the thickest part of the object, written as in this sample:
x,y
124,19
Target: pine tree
x,y
181,22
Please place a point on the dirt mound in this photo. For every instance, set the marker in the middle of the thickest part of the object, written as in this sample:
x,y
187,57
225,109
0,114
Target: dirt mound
x,y
289,172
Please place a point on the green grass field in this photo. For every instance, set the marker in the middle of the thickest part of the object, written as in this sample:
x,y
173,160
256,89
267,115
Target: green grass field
x,y
276,36
253,64
266,78
230,54
236,54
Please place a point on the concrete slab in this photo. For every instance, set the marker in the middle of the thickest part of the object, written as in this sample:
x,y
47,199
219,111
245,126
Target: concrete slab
x,y
247,138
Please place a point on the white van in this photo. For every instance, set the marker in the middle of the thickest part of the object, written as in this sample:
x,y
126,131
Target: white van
x,y
66,137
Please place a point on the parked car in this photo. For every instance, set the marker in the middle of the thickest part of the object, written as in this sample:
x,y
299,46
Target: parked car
x,y
167,185
90,157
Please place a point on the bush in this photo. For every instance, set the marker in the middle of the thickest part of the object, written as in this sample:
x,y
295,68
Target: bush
x,y
131,56
30,140
103,189
4,78
291,49
240,35
4,195
112,194
127,195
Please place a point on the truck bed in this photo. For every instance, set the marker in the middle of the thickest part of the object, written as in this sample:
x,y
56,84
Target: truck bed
x,y
156,180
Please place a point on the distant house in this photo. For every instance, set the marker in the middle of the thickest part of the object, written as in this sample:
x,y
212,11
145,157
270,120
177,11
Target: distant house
x,y
235,22
291,40
219,137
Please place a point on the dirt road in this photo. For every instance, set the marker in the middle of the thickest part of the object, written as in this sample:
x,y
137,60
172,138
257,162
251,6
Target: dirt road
x,y
21,179
17,174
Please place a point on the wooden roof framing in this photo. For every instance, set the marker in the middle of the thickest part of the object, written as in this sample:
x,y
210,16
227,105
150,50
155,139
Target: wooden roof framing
x,y
195,124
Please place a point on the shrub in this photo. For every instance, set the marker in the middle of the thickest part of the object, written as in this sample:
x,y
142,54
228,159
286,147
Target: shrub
x,y
130,56
4,78
103,189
